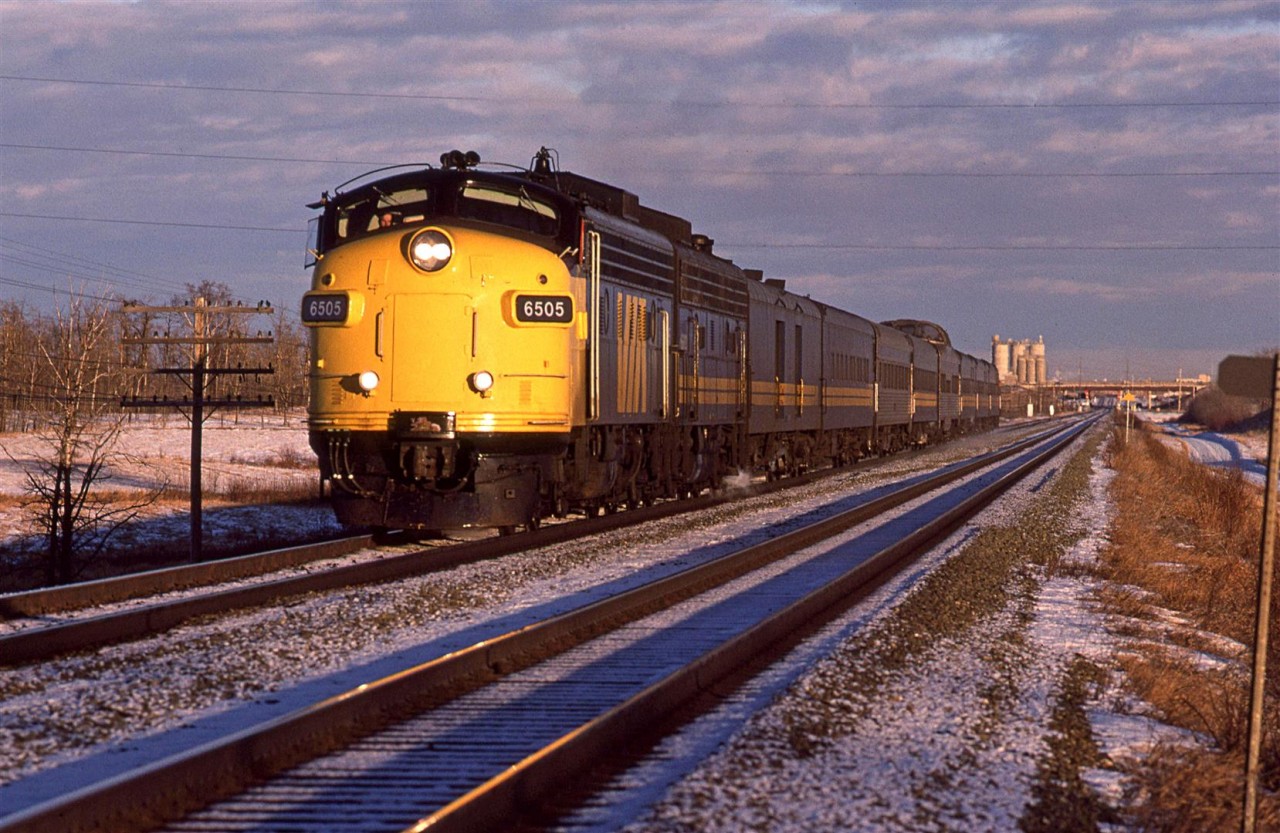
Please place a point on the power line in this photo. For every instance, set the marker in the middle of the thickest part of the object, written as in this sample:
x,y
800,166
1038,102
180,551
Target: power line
x,y
1030,247
960,174
166,223
74,266
99,279
798,105
59,262
53,290
683,171
61,257
176,155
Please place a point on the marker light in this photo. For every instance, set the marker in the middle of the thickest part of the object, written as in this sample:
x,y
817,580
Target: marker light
x,y
367,381
481,381
430,250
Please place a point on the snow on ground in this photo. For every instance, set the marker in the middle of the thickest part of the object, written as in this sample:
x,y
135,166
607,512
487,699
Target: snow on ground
x,y
153,449
951,742
1246,452
123,705
241,455
947,744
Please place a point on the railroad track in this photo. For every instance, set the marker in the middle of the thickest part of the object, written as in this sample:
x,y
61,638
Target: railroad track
x,y
498,727
49,636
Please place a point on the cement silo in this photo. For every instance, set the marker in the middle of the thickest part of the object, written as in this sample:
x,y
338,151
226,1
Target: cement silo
x,y
1000,356
1037,363
1020,356
1020,362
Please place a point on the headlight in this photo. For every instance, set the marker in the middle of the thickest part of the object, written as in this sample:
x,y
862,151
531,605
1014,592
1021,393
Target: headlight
x,y
430,250
481,381
367,381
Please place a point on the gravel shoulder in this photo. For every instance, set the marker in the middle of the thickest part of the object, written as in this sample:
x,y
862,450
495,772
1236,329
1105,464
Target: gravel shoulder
x,y
964,703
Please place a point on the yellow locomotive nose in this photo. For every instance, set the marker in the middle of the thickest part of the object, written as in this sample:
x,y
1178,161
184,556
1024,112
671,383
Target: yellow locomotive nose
x,y
443,375
472,338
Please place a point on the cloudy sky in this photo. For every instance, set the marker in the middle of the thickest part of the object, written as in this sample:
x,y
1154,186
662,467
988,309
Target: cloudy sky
x,y
1104,174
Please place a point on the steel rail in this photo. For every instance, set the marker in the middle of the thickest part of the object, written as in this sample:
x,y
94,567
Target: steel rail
x,y
170,788
85,594
494,804
104,591
43,642
39,643
79,595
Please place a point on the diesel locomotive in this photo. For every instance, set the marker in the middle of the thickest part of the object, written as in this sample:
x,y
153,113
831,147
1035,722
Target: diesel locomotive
x,y
491,346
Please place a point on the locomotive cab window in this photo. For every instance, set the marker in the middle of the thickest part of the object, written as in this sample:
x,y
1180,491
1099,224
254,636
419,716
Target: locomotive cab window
x,y
380,210
482,201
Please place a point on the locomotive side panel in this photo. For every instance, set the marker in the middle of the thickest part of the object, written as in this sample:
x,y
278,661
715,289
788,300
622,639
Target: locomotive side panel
x,y
948,389
971,392
989,402
713,313
631,305
712,309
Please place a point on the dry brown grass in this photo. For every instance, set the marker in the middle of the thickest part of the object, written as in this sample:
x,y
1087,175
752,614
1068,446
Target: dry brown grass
x,y
1184,546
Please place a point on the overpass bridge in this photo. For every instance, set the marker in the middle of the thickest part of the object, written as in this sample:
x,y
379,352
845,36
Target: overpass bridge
x,y
1016,400
1106,387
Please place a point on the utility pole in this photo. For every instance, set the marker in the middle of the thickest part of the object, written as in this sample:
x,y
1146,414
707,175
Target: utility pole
x,y
198,375
1258,377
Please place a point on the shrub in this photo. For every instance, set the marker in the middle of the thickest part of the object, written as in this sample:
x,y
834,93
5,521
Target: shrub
x,y
1216,410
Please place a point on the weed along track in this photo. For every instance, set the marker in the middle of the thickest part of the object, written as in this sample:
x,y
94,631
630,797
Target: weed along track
x,y
466,740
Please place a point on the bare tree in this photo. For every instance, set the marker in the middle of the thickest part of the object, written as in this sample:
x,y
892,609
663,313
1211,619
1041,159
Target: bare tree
x,y
79,430
289,358
18,381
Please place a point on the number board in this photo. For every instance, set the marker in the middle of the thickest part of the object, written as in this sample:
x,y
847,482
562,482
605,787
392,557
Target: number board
x,y
325,309
544,309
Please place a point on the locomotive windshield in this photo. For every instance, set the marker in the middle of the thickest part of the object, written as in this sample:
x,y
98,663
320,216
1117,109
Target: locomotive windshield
x,y
508,207
378,209
432,196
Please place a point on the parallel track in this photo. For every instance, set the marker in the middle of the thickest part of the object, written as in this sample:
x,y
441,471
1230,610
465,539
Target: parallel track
x,y
38,643
583,712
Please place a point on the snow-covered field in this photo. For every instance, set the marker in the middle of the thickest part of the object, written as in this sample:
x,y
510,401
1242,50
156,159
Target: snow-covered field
x,y
241,456
155,449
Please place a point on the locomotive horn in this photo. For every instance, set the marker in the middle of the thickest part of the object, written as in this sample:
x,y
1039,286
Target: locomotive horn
x,y
458,159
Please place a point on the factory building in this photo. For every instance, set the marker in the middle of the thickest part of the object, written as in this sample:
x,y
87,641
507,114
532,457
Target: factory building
x,y
1019,362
